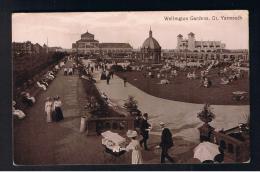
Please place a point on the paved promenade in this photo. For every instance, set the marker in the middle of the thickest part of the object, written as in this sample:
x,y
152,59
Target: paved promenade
x,y
181,117
38,142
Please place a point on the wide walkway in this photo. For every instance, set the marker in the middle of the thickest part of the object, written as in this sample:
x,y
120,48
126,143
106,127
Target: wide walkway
x,y
39,143
181,117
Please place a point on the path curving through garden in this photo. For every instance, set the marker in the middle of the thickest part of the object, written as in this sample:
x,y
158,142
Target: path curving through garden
x,y
181,117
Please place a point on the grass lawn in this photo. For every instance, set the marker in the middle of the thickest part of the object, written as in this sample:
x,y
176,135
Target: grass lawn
x,y
185,90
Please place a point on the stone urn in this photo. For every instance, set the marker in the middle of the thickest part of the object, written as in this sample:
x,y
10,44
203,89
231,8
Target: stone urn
x,y
206,115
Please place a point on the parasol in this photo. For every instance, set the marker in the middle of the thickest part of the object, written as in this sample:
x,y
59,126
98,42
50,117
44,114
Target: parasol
x,y
206,151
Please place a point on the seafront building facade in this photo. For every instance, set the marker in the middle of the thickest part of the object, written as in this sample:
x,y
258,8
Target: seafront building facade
x,y
192,45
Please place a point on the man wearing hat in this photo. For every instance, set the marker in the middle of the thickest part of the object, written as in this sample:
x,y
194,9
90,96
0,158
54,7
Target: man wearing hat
x,y
166,143
144,131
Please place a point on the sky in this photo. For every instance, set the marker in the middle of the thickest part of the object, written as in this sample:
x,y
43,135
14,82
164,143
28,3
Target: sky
x,y
63,29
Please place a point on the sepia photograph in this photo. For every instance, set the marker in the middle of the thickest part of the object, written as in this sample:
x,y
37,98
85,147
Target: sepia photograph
x,y
131,88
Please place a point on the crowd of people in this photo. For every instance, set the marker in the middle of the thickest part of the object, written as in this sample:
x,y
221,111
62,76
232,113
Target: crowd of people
x,y
136,145
230,74
49,76
206,70
142,126
139,141
167,72
70,70
53,105
42,83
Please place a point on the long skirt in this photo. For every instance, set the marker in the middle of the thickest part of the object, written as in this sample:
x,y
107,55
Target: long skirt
x,y
137,157
57,114
48,115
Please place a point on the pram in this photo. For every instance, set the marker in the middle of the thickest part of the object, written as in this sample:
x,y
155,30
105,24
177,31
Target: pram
x,y
113,143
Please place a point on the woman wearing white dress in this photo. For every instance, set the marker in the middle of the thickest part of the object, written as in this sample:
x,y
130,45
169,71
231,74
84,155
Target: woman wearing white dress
x,y
48,108
135,147
57,115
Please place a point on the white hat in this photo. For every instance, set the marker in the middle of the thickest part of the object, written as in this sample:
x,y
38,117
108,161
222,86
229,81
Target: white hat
x,y
131,133
162,123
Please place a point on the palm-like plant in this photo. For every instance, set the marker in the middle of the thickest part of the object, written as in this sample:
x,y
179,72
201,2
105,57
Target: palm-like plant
x,y
131,104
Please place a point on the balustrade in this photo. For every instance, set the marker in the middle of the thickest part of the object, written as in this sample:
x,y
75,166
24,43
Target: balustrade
x,y
234,148
95,126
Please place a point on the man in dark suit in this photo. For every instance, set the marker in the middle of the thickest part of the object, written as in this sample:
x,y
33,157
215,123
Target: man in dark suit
x,y
144,131
166,143
125,81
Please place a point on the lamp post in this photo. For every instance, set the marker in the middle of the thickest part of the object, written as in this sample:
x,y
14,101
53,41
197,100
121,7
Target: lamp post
x,y
77,56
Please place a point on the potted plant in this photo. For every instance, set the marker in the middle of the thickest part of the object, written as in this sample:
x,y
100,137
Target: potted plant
x,y
206,115
131,104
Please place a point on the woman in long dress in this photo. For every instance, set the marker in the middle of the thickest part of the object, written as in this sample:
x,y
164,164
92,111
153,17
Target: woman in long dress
x,y
58,115
135,147
48,109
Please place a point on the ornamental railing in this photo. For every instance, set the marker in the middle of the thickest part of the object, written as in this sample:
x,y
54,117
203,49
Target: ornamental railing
x,y
236,148
97,125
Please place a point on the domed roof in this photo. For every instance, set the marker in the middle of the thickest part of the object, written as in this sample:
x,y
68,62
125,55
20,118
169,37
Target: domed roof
x,y
151,43
180,35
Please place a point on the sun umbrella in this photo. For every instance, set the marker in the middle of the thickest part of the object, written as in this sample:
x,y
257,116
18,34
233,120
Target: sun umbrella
x,y
206,151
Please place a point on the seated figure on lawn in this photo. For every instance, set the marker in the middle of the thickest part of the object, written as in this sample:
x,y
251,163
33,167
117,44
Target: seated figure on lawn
x,y
164,81
28,99
224,81
17,112
207,83
41,85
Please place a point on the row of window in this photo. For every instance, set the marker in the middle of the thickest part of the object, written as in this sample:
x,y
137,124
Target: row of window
x,y
203,50
205,46
105,51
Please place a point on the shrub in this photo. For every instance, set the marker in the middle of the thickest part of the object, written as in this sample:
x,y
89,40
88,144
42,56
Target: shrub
x,y
129,68
131,104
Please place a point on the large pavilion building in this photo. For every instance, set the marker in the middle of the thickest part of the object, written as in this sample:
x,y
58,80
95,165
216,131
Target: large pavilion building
x,y
116,49
151,50
192,45
88,45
